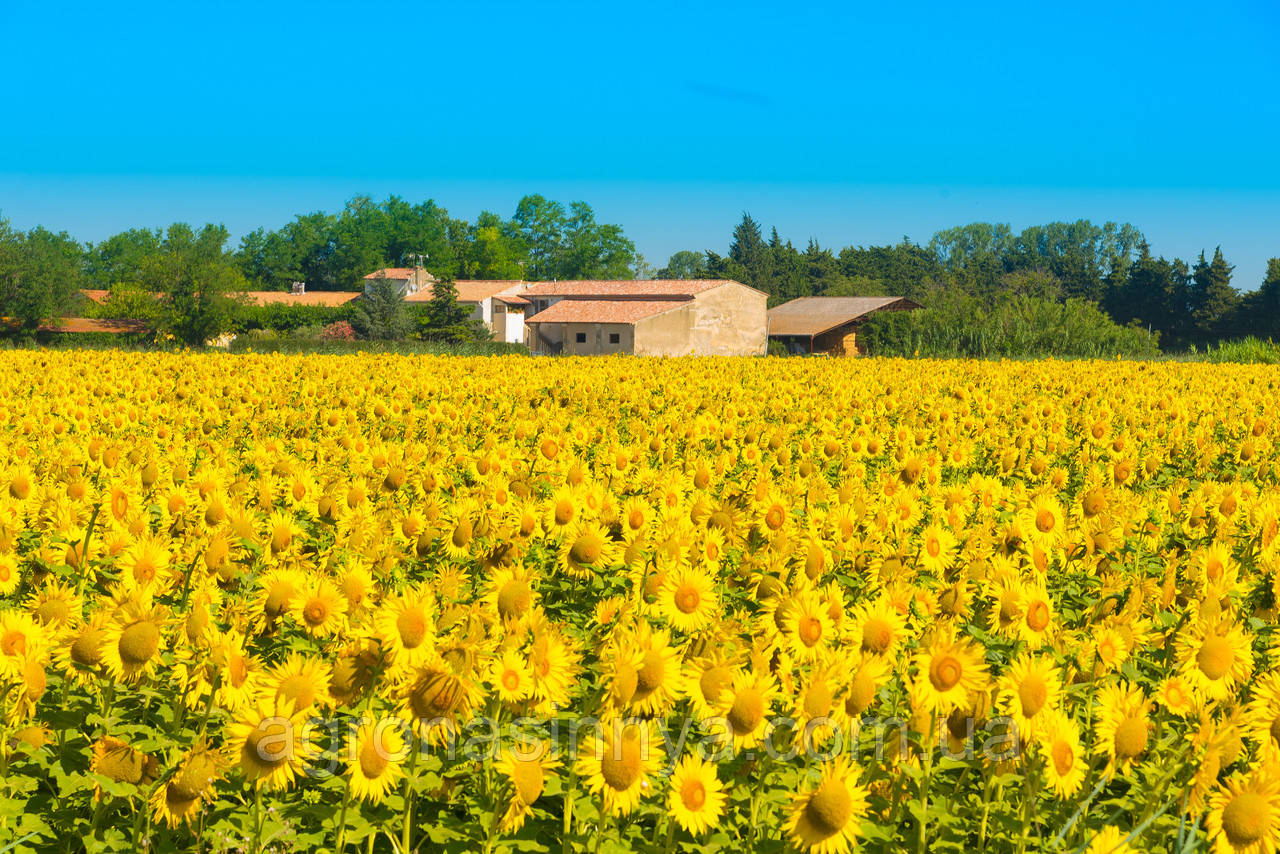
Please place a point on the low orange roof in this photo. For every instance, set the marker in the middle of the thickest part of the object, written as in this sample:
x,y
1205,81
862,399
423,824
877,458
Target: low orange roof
x,y
469,290
91,324
622,288
96,295
625,311
392,273
324,298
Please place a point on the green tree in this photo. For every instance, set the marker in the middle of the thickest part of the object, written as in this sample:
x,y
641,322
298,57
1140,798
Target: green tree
x,y
1213,300
195,280
380,313
40,275
445,319
684,265
122,257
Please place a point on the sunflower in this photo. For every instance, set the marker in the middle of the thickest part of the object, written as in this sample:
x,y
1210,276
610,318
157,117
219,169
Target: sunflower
x,y
1122,729
948,673
437,699
511,594
878,628
744,709
20,637
868,673
937,549
587,550
263,744
319,608
10,577
145,565
1109,840
659,681
179,797
376,750
617,762
406,628
1215,659
1176,696
708,677
695,796
1035,626
56,605
1262,715
133,640
1244,814
1065,759
688,600
283,535
80,650
824,819
525,768
1029,691
510,677
120,763
807,628
1045,521
301,681
276,591
555,665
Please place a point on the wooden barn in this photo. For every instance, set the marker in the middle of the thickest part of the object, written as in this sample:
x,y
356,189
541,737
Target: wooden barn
x,y
828,325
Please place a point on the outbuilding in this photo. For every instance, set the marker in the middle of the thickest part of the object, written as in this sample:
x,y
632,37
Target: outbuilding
x,y
828,325
655,317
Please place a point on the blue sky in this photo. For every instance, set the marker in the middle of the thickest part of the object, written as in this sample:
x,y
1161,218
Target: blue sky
x,y
852,123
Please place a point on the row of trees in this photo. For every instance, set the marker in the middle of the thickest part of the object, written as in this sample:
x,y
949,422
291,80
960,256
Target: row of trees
x,y
542,240
1109,265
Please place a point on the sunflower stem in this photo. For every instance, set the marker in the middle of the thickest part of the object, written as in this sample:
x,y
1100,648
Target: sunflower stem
x,y
84,548
257,819
406,831
342,817
927,770
568,809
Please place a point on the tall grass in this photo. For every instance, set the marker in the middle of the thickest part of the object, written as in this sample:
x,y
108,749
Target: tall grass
x,y
1249,350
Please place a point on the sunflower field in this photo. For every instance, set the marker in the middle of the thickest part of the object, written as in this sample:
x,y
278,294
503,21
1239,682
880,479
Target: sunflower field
x,y
374,603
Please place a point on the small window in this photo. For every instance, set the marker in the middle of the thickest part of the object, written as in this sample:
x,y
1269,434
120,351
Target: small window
x,y
614,337
580,337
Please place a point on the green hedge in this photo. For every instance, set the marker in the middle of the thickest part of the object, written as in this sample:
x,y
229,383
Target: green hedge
x,y
1022,327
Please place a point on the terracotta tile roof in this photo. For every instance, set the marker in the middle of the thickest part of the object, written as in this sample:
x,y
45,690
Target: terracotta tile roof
x,y
90,324
96,295
626,311
511,299
392,273
324,298
639,289
469,290
815,315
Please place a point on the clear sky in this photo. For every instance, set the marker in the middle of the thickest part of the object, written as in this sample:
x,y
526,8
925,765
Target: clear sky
x,y
853,123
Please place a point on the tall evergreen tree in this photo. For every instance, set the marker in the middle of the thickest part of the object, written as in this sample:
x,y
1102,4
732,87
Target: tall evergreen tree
x,y
1213,300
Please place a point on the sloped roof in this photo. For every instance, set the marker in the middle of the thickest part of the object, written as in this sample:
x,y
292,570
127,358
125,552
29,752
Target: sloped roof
x,y
815,315
625,311
392,273
96,295
325,298
623,289
469,290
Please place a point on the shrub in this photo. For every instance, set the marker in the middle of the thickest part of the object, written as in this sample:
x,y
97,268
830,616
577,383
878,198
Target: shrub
x,y
339,331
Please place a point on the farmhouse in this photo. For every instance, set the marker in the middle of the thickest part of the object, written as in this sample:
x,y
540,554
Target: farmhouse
x,y
828,324
409,280
660,317
498,304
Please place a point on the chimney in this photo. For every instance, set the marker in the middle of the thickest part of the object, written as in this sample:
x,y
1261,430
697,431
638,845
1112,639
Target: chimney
x,y
298,288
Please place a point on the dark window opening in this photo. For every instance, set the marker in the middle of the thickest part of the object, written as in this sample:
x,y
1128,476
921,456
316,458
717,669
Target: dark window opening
x,y
580,337
614,337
